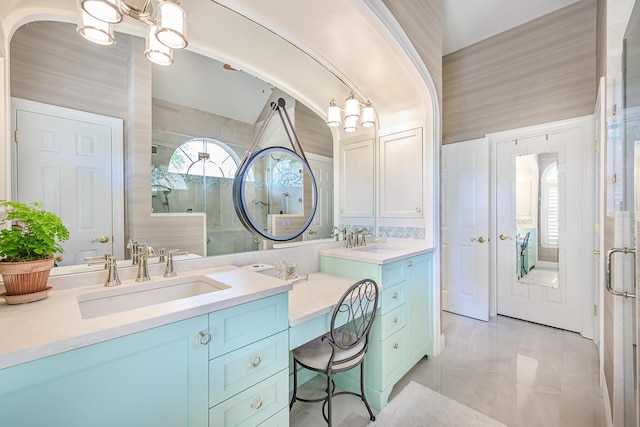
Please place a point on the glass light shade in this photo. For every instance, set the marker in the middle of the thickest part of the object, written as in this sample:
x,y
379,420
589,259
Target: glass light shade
x,y
368,116
172,27
155,51
352,108
95,30
350,124
333,115
103,10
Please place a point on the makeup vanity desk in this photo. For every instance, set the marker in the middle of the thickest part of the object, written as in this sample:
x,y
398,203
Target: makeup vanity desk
x,y
402,333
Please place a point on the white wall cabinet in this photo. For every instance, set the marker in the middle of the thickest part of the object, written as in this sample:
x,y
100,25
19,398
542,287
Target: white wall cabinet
x,y
357,180
401,175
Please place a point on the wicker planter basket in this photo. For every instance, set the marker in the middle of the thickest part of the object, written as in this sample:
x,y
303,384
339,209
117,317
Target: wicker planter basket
x,y
22,278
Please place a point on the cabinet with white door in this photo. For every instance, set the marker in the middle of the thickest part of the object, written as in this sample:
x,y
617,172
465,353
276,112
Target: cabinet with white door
x,y
401,175
357,181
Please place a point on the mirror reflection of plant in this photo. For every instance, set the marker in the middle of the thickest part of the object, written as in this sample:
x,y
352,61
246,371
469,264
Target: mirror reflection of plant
x,y
34,234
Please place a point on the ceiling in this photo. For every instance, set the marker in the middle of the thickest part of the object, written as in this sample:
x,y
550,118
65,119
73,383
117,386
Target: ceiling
x,y
469,21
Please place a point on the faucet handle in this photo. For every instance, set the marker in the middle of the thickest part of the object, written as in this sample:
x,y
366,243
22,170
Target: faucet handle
x,y
169,271
112,278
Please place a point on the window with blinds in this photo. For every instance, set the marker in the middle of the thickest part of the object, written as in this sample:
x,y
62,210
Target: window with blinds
x,y
549,209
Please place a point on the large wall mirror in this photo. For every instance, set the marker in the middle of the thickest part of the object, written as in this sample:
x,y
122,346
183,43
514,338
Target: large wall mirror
x,y
203,114
537,219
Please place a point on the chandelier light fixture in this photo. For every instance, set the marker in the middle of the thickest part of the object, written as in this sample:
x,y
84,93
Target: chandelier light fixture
x,y
166,31
352,114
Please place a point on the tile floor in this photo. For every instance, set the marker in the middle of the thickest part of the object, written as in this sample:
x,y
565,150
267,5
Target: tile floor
x,y
519,373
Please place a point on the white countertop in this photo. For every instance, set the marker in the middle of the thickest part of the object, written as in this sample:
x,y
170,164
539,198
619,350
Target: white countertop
x,y
315,297
382,250
54,325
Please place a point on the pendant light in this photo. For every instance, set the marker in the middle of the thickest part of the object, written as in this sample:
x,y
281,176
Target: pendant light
x,y
351,114
165,32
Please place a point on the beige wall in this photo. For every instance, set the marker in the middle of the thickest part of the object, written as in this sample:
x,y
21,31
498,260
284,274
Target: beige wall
x,y
422,22
538,72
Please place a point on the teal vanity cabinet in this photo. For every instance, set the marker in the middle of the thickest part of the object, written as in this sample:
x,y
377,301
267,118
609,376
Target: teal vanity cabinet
x,y
219,369
402,332
157,377
249,366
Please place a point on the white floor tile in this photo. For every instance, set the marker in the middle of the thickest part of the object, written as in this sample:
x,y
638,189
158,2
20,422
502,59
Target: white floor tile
x,y
522,374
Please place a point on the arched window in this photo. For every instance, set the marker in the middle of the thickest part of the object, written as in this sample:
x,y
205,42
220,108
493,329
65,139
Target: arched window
x,y
204,157
549,210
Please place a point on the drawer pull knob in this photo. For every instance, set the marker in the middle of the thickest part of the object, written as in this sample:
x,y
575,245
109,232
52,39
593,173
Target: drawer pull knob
x,y
205,338
255,362
410,263
395,295
257,404
395,320
395,346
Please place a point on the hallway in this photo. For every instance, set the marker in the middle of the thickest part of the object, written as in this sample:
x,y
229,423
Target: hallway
x,y
519,373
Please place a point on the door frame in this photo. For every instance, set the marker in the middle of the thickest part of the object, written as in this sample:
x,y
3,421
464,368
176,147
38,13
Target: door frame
x,y
117,152
586,123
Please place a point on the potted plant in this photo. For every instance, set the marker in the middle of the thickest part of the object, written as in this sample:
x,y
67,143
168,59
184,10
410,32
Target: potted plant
x,y
28,247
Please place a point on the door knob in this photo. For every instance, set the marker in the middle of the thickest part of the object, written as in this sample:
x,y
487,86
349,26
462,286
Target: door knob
x,y
312,231
479,239
101,239
505,237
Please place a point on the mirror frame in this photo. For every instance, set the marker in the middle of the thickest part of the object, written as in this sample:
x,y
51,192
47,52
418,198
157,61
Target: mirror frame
x,y
240,202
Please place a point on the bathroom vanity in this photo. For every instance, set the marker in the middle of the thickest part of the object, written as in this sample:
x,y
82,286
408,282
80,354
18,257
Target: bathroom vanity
x,y
208,347
218,358
402,333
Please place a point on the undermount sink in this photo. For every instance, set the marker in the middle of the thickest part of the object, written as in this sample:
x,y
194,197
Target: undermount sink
x,y
376,249
119,299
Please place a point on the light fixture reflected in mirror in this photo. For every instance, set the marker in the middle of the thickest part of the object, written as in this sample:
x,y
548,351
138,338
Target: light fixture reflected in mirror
x,y
95,30
165,33
351,114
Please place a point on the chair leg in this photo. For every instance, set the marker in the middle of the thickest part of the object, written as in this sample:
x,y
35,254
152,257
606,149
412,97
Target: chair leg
x,y
295,383
364,398
329,394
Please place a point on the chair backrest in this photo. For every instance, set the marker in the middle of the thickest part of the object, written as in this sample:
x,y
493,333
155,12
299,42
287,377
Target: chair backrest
x,y
354,314
525,244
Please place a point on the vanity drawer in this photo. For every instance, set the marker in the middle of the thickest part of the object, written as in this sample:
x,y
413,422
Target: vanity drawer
x,y
393,321
281,419
233,372
392,297
393,273
255,405
394,355
243,324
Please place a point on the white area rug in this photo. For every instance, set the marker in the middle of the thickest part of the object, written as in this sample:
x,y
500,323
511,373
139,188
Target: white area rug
x,y
419,406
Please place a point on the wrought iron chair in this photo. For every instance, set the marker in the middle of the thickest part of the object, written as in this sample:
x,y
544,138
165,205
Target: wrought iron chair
x,y
524,247
343,347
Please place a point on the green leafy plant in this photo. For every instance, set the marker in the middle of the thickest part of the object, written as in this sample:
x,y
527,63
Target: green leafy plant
x,y
34,234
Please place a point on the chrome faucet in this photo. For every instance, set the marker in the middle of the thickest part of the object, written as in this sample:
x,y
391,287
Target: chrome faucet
x,y
110,263
143,250
132,245
356,237
169,271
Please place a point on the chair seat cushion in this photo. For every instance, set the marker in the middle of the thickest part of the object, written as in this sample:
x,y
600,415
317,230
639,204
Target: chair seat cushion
x,y
315,354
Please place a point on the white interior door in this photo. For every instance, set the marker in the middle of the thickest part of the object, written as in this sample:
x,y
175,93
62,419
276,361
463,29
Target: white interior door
x,y
465,228
559,306
66,163
322,224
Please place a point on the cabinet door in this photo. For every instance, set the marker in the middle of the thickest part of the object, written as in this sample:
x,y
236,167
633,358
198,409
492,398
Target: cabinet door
x,y
401,178
154,378
357,180
419,283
